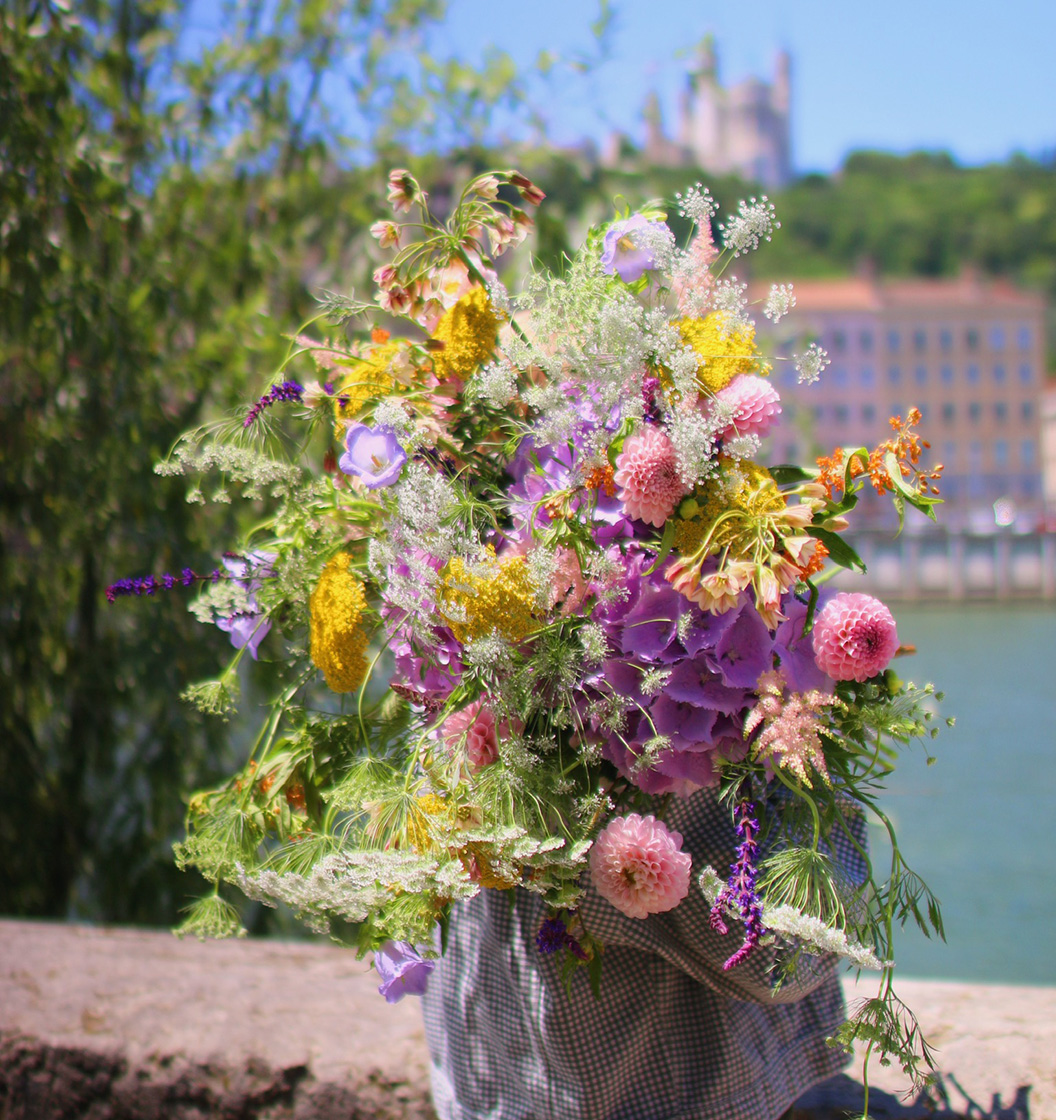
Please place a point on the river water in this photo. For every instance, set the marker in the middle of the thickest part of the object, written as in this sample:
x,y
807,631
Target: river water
x,y
980,823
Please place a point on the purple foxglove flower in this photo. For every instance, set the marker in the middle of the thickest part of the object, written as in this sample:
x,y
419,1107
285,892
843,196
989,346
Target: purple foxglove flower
x,y
372,454
622,250
402,969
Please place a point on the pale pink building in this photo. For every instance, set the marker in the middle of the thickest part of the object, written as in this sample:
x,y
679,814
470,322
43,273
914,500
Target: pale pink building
x,y
969,353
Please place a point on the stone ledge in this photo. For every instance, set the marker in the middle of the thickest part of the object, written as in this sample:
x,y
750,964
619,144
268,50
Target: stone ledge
x,y
119,1024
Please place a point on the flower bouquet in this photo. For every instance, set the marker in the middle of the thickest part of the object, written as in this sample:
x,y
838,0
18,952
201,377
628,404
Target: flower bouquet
x,y
527,580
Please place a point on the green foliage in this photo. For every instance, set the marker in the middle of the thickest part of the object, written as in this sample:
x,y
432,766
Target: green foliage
x,y
151,255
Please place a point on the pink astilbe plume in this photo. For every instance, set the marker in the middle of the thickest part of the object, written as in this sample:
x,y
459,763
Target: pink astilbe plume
x,y
693,281
755,405
854,637
791,727
637,864
647,476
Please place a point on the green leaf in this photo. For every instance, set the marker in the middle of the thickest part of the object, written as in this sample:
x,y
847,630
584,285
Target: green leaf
x,y
840,552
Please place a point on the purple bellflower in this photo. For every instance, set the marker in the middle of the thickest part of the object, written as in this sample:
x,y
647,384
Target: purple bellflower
x,y
248,628
402,969
623,250
372,454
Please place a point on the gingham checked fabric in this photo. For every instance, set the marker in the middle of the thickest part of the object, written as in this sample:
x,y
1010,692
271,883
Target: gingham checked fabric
x,y
673,1037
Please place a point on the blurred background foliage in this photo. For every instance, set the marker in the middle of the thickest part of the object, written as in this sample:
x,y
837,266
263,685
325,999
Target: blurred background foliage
x,y
167,210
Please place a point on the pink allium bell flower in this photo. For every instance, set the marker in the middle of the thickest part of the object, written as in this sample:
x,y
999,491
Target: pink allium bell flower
x,y
647,476
526,188
403,190
755,404
637,865
387,234
854,637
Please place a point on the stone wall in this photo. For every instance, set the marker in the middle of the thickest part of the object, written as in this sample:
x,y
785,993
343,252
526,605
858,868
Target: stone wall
x,y
117,1024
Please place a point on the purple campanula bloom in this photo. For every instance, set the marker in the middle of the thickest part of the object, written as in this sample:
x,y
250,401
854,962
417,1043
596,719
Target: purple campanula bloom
x,y
372,454
624,250
248,628
403,971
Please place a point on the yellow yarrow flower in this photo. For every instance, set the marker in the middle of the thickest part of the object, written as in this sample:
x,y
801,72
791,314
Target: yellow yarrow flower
x,y
491,595
427,806
338,642
469,331
366,380
723,354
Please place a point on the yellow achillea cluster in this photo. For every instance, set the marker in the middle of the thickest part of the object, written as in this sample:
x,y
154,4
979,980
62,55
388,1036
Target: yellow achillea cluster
x,y
486,596
338,642
366,380
723,354
419,829
468,331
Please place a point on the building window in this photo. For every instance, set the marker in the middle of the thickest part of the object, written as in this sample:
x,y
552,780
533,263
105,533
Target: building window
x,y
868,376
841,414
791,452
1026,410
975,410
973,374
947,375
894,375
1026,374
865,341
920,375
1024,338
946,340
868,413
839,375
819,411
1000,411
920,340
999,373
1028,454
949,411
1001,454
971,338
997,338
893,341
839,341
949,455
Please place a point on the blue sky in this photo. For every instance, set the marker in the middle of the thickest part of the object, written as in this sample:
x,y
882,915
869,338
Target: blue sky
x,y
975,79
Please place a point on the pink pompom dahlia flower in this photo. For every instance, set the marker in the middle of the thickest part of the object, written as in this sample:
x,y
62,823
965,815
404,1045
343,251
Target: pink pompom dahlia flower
x,y
637,864
647,476
854,637
477,724
755,404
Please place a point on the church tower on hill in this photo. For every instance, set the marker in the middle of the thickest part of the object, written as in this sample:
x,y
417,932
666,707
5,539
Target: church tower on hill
x,y
743,130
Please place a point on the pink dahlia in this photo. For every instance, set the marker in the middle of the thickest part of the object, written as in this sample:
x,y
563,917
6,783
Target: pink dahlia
x,y
647,475
477,724
637,864
755,405
854,637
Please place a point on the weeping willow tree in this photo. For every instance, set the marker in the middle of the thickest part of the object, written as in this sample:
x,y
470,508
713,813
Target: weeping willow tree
x,y
166,209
